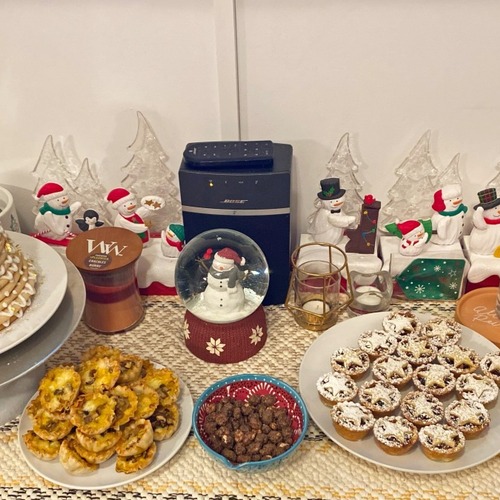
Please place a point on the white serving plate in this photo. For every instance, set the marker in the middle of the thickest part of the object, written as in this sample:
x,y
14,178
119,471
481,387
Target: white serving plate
x,y
316,362
106,476
22,367
50,290
34,351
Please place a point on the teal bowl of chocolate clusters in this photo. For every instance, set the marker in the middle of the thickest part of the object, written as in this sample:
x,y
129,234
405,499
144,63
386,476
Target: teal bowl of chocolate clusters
x,y
250,422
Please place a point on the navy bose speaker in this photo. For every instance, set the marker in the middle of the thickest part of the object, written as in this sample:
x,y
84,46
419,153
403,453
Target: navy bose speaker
x,y
244,186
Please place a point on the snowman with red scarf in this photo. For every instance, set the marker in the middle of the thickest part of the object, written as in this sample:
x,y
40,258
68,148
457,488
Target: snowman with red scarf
x,y
485,235
224,291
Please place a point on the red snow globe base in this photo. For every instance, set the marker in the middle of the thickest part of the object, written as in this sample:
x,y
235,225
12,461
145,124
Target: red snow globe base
x,y
222,277
226,343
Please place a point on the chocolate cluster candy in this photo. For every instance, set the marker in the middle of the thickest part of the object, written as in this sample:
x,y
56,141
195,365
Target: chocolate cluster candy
x,y
248,431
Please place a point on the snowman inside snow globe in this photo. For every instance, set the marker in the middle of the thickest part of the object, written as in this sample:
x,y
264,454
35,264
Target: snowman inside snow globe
x,y
222,277
224,292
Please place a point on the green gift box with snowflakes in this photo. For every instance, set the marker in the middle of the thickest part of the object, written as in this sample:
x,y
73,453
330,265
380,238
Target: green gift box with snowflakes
x,y
431,279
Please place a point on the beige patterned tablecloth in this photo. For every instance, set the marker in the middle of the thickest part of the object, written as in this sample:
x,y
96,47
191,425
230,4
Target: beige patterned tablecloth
x,y
319,469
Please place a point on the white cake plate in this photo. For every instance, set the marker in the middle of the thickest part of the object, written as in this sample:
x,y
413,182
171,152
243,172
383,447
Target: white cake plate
x,y
22,366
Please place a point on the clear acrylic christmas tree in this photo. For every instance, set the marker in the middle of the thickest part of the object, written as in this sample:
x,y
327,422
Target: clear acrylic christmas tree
x,y
88,189
58,162
411,196
343,166
147,173
66,150
50,166
450,175
495,182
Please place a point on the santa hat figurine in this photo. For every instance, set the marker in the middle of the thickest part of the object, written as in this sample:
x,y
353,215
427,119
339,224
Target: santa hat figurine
x,y
54,220
131,214
118,196
446,193
50,191
414,234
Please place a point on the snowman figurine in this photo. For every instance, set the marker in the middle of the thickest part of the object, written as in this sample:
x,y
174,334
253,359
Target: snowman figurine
x,y
329,221
448,219
131,216
414,235
224,291
54,219
485,235
172,240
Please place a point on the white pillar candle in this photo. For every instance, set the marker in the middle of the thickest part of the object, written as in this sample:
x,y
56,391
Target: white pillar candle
x,y
368,296
316,306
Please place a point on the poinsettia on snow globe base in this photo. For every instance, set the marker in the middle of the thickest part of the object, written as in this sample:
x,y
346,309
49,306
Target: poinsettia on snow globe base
x,y
222,277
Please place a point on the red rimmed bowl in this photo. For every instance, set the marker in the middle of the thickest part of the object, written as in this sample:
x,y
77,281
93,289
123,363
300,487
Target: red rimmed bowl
x,y
241,387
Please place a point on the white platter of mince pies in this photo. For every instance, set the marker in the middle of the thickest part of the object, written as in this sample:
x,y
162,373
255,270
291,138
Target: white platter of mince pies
x,y
416,393
113,418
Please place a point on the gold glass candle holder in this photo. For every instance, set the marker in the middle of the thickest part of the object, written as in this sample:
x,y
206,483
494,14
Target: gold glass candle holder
x,y
320,285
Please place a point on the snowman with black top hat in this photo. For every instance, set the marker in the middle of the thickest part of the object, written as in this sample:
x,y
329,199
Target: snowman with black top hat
x,y
329,221
485,235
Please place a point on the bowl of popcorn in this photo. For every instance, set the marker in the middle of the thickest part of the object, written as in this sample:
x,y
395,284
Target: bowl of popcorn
x,y
250,422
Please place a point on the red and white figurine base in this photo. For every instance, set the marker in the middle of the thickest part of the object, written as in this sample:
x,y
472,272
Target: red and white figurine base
x,y
228,342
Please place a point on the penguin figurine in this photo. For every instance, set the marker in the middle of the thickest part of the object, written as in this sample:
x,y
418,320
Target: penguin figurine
x,y
90,221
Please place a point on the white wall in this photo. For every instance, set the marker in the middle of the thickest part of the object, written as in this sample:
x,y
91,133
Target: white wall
x,y
83,69
383,70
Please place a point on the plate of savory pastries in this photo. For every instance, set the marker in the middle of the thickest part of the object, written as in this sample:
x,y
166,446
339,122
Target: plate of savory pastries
x,y
113,419
408,392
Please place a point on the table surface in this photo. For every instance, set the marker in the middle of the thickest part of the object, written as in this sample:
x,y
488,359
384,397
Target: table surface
x,y
319,469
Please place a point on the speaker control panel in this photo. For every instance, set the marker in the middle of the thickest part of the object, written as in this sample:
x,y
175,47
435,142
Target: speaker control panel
x,y
222,154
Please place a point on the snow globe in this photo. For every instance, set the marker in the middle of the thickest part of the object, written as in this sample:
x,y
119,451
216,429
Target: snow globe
x,y
222,277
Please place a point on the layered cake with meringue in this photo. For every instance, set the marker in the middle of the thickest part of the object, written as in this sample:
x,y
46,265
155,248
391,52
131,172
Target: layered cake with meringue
x,y
17,281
